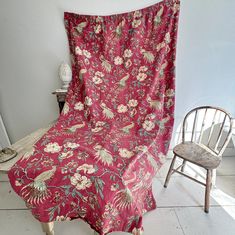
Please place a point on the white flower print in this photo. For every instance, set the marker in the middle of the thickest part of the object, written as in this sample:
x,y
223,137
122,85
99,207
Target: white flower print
x,y
132,103
150,116
141,77
125,153
127,53
142,148
96,129
52,148
148,125
80,182
88,101
99,19
143,69
99,74
97,80
137,14
170,92
98,126
97,28
133,112
118,60
122,108
66,155
78,50
87,54
79,106
89,169
100,123
136,23
71,145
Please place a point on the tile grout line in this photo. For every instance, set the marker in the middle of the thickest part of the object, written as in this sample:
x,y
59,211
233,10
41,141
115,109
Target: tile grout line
x,y
179,221
15,209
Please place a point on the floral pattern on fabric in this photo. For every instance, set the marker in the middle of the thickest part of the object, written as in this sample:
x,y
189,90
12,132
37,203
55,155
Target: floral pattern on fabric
x,y
98,161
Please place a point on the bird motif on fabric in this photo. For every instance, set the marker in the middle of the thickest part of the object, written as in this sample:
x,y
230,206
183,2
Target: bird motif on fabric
x,y
156,104
123,199
148,55
126,129
162,68
122,82
161,123
79,28
75,127
107,111
37,191
103,155
157,19
119,28
105,64
28,154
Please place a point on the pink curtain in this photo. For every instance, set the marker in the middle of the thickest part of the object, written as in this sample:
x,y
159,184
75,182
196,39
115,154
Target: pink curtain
x,y
98,161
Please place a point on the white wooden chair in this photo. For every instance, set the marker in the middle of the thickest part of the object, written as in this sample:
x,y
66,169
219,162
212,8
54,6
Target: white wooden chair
x,y
206,132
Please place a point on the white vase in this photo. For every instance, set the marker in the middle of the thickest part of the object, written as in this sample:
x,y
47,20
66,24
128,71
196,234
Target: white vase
x,y
65,75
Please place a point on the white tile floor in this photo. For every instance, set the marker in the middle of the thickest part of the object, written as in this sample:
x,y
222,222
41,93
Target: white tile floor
x,y
179,212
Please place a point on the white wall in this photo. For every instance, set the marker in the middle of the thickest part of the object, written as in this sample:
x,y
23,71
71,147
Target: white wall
x,y
33,42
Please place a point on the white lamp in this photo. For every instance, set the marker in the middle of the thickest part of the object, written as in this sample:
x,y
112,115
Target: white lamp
x,y
65,75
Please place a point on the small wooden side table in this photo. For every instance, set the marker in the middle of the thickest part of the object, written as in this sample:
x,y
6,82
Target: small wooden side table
x,y
61,96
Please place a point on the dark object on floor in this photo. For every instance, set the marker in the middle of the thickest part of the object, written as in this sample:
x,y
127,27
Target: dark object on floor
x,y
7,154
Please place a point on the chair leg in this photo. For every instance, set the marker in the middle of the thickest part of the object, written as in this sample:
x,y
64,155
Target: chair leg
x,y
183,166
208,188
214,178
170,172
48,228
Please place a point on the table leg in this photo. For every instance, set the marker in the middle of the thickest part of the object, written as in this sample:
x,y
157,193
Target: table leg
x,y
48,228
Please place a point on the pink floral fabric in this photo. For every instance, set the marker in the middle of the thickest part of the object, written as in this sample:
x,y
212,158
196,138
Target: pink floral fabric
x,y
98,161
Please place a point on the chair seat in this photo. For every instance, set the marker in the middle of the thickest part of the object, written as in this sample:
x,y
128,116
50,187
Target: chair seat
x,y
197,154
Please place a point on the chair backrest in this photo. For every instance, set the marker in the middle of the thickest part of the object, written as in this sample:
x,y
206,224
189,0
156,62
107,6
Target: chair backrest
x,y
208,126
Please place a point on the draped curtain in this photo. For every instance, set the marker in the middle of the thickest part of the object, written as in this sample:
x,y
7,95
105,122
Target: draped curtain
x,y
98,161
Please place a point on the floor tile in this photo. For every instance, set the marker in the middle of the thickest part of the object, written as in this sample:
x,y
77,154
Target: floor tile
x,y
180,192
227,166
18,222
162,221
159,221
3,177
8,198
195,222
73,227
226,184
